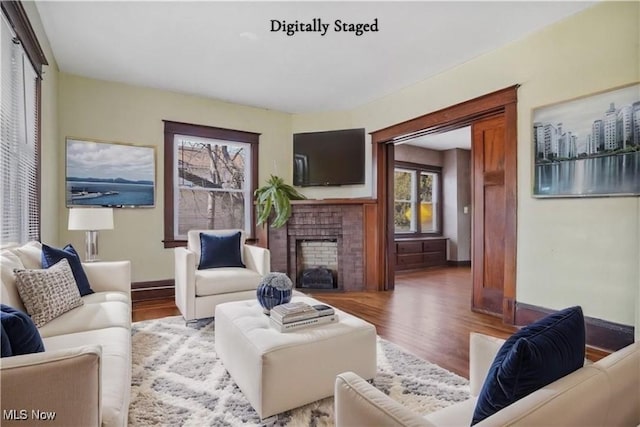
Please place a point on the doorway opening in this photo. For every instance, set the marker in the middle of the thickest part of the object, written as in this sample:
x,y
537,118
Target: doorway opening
x,y
492,120
432,200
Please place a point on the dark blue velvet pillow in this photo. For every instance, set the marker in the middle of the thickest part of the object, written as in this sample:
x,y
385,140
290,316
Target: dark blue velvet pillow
x,y
220,251
5,344
19,333
51,256
536,355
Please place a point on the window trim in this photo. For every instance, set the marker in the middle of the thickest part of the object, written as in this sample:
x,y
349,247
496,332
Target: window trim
x,y
171,129
439,212
19,20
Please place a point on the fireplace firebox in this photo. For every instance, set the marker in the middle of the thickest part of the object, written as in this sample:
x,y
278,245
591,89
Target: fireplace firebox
x,y
317,278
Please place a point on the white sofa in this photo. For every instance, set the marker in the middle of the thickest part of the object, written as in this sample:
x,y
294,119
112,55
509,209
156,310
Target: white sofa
x,y
605,393
198,292
84,374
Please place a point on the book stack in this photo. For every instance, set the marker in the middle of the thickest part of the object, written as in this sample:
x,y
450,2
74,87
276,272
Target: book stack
x,y
297,315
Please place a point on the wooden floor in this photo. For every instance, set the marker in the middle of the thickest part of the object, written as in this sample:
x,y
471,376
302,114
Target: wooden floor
x,y
428,314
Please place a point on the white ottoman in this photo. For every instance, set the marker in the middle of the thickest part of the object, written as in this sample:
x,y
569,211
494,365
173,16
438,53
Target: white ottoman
x,y
281,371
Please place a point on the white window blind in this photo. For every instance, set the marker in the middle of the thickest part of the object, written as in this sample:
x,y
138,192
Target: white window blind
x,y
19,204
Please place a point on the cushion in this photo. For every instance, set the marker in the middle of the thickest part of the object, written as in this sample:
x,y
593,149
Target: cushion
x,y
47,294
19,333
115,367
51,256
217,281
533,357
193,238
220,251
30,254
9,262
89,317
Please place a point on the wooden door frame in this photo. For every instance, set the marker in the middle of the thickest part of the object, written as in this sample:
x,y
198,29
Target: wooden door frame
x,y
503,102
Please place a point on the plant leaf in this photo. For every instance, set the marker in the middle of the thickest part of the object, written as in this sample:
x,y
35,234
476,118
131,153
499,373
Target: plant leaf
x,y
275,195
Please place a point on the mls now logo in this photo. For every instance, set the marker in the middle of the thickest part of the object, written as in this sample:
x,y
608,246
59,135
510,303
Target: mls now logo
x,y
15,414
23,414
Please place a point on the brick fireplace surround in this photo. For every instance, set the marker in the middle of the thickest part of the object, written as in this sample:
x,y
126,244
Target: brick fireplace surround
x,y
342,220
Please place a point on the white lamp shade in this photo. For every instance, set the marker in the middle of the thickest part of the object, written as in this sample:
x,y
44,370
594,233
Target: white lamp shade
x,y
91,219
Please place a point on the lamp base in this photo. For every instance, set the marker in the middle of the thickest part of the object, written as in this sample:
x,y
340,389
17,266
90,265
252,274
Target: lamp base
x,y
91,246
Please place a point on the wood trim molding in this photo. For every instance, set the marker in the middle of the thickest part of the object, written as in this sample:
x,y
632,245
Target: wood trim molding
x,y
204,131
354,201
19,20
459,263
171,129
371,267
600,333
456,115
511,204
157,289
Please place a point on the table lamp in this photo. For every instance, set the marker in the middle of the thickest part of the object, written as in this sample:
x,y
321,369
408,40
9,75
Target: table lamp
x,y
91,220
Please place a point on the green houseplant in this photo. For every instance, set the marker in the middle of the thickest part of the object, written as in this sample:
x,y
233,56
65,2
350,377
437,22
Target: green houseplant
x,y
275,195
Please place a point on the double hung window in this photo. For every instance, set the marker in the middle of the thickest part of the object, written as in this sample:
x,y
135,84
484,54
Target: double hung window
x,y
417,199
212,179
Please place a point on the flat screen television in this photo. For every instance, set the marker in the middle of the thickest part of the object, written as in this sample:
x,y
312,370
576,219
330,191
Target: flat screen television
x,y
328,158
109,174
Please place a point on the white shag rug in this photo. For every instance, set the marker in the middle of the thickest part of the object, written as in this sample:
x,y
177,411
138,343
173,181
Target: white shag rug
x,y
179,381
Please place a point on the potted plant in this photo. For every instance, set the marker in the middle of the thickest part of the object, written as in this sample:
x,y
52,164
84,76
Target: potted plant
x,y
275,195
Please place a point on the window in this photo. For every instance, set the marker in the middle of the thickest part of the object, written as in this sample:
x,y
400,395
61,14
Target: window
x,y
210,177
20,73
417,199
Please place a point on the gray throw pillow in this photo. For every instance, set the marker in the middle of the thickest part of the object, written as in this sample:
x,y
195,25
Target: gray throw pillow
x,y
46,294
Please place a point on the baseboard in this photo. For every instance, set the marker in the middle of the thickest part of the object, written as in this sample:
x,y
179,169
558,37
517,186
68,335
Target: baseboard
x,y
157,289
459,263
600,333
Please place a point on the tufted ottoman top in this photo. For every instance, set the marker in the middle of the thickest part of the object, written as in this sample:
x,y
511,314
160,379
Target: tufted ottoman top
x,y
247,317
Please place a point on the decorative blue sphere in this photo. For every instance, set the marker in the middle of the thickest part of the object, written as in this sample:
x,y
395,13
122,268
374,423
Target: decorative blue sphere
x,y
274,289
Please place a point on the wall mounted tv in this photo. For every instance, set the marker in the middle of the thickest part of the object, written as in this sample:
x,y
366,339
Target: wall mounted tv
x,y
328,158
109,174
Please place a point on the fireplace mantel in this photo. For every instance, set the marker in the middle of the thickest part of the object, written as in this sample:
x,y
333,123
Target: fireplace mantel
x,y
349,221
357,201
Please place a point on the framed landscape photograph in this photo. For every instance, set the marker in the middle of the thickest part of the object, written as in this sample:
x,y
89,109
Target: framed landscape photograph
x,y
109,174
588,147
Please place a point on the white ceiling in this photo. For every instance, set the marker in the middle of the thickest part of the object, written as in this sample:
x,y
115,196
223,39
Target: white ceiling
x,y
225,50
459,138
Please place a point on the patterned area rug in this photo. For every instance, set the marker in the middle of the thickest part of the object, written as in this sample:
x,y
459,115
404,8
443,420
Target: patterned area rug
x,y
179,381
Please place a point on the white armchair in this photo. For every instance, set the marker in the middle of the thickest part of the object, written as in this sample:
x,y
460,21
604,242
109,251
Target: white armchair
x,y
198,292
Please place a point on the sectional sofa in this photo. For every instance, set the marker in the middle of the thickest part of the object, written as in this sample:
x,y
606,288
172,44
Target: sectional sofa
x,y
84,374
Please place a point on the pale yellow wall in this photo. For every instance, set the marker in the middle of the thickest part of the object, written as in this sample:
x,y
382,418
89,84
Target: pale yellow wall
x,y
569,251
49,134
116,112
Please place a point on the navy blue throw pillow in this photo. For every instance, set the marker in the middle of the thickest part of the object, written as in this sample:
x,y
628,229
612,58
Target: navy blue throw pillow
x,y
5,344
51,256
220,251
536,355
19,333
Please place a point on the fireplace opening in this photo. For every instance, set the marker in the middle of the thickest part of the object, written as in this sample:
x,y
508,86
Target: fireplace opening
x,y
317,278
317,261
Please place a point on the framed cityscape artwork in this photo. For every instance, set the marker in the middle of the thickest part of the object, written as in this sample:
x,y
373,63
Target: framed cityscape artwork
x,y
109,174
588,147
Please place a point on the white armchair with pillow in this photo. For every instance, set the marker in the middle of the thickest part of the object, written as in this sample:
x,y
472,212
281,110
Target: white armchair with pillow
x,y
206,279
